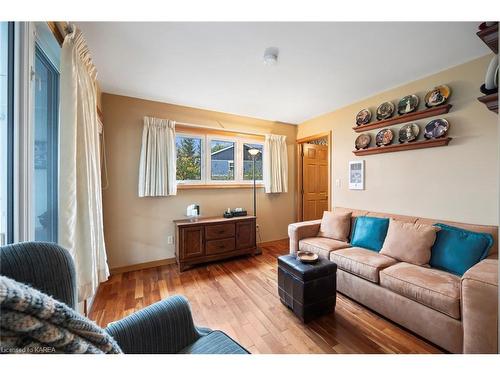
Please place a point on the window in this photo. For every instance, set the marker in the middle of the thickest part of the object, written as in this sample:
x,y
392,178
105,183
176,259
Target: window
x,y
248,162
6,131
46,86
189,158
225,159
222,160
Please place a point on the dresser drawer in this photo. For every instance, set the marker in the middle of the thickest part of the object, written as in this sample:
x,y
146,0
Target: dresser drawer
x,y
214,232
220,246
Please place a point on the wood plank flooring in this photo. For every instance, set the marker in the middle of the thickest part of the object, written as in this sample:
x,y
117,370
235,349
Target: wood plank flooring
x,y
240,297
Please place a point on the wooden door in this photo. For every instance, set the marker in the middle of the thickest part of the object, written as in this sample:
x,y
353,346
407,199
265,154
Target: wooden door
x,y
191,242
245,234
314,181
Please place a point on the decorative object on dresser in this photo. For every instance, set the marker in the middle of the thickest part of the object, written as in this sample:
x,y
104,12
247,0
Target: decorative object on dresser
x,y
309,290
385,110
363,117
384,137
437,96
408,104
208,239
436,128
362,141
408,133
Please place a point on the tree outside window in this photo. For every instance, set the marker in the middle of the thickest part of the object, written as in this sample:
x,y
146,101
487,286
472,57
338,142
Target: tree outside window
x,y
188,158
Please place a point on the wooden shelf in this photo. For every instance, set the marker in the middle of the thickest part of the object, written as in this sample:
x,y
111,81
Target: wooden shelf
x,y
430,112
404,146
490,101
490,37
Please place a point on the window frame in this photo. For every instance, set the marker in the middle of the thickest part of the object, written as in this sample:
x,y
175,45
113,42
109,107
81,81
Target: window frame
x,y
252,142
206,180
53,137
202,150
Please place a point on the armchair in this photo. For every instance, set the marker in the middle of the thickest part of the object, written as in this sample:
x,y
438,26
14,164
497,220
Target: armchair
x,y
165,327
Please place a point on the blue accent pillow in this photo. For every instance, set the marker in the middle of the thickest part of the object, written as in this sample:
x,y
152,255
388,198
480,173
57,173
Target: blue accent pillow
x,y
456,249
369,232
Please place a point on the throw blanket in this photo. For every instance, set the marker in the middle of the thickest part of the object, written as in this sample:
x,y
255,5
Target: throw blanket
x,y
33,322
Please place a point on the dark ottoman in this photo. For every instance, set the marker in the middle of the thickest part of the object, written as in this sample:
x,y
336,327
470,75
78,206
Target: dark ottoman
x,y
310,290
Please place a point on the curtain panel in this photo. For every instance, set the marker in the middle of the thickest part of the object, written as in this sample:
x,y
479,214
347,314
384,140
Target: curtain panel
x,y
275,164
157,169
80,200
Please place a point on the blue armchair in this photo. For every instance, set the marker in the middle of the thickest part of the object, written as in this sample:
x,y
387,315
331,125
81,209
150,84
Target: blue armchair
x,y
165,327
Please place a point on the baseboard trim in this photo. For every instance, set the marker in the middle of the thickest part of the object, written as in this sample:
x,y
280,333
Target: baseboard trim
x,y
274,242
142,266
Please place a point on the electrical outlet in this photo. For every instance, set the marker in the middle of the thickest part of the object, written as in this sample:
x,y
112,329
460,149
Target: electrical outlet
x,y
338,182
170,240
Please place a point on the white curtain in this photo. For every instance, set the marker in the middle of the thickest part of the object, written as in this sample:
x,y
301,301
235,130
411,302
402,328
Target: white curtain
x,y
275,164
80,199
157,169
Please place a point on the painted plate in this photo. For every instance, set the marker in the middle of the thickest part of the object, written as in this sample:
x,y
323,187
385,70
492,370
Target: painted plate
x,y
384,137
408,104
362,141
408,133
436,128
363,117
307,257
385,110
437,96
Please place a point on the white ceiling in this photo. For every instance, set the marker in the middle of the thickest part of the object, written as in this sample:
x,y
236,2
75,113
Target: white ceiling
x,y
321,66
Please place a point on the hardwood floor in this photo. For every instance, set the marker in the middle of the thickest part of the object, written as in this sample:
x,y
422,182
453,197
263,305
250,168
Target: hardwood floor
x,y
240,297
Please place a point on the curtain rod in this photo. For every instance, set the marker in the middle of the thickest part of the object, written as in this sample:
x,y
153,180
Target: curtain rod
x,y
190,125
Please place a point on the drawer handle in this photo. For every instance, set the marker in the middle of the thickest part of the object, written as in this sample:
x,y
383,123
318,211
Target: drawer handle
x,y
221,231
221,246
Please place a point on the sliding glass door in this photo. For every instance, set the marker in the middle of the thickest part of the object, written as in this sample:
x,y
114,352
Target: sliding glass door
x,y
6,131
46,119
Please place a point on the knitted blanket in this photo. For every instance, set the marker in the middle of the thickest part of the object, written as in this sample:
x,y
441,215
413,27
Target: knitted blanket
x,y
33,322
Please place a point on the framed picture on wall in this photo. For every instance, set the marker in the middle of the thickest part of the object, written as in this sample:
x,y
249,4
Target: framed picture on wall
x,y
357,175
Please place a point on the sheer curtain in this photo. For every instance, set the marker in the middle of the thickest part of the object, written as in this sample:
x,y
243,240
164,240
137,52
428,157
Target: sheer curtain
x,y
275,164
157,169
80,199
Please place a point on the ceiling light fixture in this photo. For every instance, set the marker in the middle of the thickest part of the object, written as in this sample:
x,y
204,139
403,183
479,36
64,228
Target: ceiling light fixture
x,y
271,56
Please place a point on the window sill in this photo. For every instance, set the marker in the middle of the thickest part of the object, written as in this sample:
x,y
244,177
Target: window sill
x,y
217,186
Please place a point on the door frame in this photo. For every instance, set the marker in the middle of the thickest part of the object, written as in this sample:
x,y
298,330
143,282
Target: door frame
x,y
299,175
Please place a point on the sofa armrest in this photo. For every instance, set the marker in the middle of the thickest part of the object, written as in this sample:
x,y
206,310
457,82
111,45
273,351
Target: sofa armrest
x,y
165,327
298,231
479,289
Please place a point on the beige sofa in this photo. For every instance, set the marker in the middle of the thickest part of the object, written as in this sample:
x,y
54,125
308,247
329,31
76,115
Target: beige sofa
x,y
459,314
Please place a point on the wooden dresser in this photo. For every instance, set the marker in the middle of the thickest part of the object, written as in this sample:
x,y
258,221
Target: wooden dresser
x,y
213,238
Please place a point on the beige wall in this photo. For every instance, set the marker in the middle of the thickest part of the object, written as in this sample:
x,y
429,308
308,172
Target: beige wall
x,y
458,182
136,229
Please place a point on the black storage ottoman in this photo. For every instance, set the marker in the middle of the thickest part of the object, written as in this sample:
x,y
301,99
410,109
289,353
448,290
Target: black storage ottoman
x,y
310,290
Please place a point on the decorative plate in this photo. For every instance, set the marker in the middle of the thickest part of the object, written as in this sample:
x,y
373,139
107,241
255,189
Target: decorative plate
x,y
384,137
307,257
363,117
436,128
408,104
385,110
362,141
408,133
437,96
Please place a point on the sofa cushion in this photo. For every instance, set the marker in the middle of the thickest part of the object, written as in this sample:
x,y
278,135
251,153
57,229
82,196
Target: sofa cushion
x,y
409,242
321,246
456,249
433,288
335,226
369,232
361,262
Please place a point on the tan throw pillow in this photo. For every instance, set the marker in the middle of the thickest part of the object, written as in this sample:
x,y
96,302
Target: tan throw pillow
x,y
409,242
335,226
